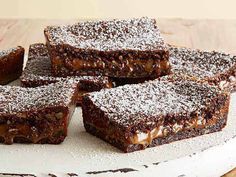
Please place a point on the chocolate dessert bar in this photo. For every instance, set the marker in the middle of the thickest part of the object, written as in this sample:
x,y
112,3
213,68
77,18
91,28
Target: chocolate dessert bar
x,y
116,48
11,64
36,115
38,72
137,116
214,67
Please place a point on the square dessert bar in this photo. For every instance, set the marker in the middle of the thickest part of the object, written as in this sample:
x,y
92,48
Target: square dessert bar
x,y
116,48
11,64
134,117
38,72
214,67
36,115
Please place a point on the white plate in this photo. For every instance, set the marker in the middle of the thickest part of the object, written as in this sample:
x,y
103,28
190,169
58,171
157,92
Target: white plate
x,y
82,153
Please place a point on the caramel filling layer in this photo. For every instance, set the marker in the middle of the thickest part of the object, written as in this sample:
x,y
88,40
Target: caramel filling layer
x,y
131,66
162,131
32,133
148,65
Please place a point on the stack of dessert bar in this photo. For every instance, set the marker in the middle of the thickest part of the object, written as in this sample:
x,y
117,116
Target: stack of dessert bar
x,y
136,91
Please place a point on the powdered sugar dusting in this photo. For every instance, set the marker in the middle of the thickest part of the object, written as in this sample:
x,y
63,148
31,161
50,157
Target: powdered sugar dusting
x,y
14,99
4,53
130,104
133,34
200,64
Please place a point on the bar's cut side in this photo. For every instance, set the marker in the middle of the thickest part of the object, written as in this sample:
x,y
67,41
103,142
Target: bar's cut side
x,y
11,64
123,81
214,67
116,48
38,72
134,117
36,115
